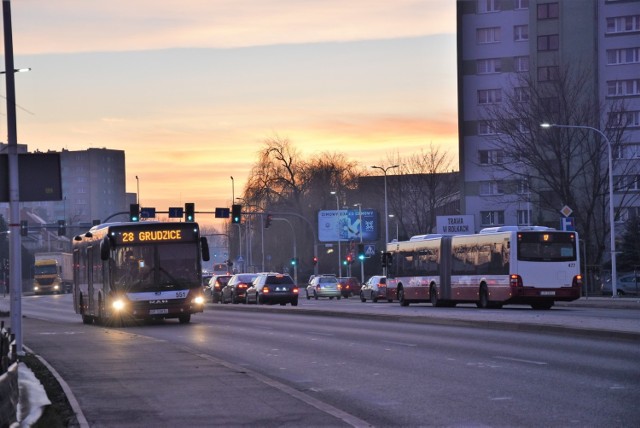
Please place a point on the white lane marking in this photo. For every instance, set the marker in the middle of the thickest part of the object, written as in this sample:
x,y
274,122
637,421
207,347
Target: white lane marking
x,y
411,345
519,360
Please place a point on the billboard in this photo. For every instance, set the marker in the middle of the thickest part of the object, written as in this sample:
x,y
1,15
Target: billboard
x,y
39,177
345,225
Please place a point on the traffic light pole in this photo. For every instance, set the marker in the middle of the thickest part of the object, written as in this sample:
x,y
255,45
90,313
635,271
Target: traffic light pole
x,y
295,251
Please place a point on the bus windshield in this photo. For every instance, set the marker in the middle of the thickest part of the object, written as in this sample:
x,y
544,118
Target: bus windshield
x,y
547,246
156,268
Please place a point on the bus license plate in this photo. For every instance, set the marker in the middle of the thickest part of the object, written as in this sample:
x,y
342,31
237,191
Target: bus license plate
x,y
158,311
547,293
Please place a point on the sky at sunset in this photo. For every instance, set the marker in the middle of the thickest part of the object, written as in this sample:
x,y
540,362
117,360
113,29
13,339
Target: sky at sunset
x,y
190,89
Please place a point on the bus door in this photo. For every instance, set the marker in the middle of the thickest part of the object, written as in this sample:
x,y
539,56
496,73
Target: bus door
x,y
89,266
445,268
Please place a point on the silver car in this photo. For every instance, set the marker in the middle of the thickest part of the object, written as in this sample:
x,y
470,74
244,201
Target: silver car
x,y
324,286
627,284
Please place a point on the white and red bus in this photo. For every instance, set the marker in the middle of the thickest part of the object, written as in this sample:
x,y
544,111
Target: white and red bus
x,y
528,265
145,270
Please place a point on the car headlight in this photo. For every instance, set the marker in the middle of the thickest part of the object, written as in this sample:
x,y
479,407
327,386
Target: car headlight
x,y
199,300
118,305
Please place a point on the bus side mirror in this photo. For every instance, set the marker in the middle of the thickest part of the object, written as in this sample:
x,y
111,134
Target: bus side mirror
x,y
105,248
205,248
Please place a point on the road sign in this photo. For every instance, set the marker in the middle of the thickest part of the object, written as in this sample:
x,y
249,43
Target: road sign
x,y
222,212
369,250
176,212
566,211
569,224
147,212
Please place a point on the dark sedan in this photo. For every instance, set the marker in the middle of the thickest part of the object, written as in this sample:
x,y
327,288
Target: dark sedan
x,y
269,288
236,289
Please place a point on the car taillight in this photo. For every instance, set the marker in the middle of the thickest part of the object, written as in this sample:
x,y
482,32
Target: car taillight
x,y
295,289
217,285
339,287
265,289
242,286
577,281
515,280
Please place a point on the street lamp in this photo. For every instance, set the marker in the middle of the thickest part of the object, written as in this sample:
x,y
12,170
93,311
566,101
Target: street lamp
x,y
339,230
614,273
386,214
137,190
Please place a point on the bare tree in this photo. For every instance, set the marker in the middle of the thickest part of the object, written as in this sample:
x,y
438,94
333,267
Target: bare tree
x,y
559,166
423,188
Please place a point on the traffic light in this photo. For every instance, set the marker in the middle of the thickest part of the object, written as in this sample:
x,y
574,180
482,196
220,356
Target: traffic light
x,y
267,221
62,230
315,260
361,254
294,261
134,212
189,211
236,213
349,258
24,228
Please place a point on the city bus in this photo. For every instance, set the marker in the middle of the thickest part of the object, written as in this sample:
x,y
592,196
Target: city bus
x,y
144,270
529,265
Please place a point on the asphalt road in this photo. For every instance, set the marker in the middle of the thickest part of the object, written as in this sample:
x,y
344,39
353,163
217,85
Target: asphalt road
x,y
379,365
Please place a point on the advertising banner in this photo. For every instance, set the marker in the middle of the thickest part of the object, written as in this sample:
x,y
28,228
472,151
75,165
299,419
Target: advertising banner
x,y
345,225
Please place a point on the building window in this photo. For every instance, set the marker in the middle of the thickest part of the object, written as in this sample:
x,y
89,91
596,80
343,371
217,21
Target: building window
x,y
621,88
548,11
491,218
520,33
521,4
623,24
487,127
523,187
627,118
491,157
521,94
629,212
490,188
489,96
623,56
521,63
627,183
546,74
488,35
488,66
524,217
486,6
550,42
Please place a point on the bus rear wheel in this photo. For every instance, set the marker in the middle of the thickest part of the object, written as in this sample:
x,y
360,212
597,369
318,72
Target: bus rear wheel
x,y
401,299
433,296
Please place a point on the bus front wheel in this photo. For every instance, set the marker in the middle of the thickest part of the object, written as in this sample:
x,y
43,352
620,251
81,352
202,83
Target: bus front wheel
x,y
184,318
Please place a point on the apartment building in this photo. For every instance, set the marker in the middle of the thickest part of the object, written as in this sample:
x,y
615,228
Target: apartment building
x,y
499,42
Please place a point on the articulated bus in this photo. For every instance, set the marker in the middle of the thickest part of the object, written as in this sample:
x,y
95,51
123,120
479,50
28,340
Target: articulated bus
x,y
146,270
530,265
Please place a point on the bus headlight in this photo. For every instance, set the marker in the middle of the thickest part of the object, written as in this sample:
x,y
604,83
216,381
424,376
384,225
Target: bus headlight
x,y
118,305
199,300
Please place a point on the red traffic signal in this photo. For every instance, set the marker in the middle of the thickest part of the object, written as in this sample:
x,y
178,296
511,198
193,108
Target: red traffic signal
x,y
315,260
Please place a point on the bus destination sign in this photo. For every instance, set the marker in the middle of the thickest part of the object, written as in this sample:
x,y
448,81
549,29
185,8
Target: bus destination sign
x,y
149,236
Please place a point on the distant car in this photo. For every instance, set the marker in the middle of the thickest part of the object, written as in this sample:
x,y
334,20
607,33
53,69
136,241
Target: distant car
x,y
375,289
206,277
350,286
324,286
236,289
269,288
216,284
627,284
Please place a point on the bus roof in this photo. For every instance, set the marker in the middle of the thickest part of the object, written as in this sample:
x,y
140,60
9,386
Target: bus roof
x,y
515,229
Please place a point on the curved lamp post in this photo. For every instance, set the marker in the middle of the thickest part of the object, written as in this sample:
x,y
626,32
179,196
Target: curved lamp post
x,y
612,238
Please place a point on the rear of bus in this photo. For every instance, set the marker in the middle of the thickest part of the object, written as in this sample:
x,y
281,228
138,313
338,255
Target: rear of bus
x,y
545,267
